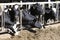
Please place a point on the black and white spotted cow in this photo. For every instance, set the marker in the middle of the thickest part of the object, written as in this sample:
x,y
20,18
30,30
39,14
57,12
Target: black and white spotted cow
x,y
49,14
29,16
36,10
30,21
11,13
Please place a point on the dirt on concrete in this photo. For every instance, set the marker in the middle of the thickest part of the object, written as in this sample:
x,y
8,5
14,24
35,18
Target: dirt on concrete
x,y
49,33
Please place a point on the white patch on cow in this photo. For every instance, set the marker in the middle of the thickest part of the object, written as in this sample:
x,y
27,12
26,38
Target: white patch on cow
x,y
54,9
17,22
10,9
6,10
16,6
17,33
15,28
36,16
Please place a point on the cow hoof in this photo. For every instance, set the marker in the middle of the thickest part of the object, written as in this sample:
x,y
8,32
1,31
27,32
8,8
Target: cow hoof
x,y
43,26
33,31
17,33
12,34
39,28
12,37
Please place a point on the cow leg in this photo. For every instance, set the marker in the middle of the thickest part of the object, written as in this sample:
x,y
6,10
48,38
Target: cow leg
x,y
12,34
54,19
11,31
45,21
38,17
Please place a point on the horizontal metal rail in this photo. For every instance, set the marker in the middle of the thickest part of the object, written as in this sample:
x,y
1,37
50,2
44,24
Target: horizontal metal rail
x,y
28,3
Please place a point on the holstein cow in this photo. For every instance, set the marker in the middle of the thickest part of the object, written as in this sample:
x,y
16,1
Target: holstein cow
x,y
49,14
29,21
10,19
36,10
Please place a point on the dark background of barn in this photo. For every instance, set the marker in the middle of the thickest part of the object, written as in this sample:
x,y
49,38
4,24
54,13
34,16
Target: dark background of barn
x,y
7,1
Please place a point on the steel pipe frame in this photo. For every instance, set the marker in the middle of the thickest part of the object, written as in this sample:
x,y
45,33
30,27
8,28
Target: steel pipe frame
x,y
26,3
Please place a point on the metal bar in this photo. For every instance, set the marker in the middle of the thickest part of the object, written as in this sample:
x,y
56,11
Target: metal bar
x,y
57,11
26,7
27,3
24,3
43,13
3,23
29,7
21,17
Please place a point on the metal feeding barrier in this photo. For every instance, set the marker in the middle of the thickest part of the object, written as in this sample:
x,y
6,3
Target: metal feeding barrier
x,y
28,3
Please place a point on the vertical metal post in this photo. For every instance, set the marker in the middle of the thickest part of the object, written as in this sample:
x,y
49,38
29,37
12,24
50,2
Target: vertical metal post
x,y
1,14
52,5
21,17
43,13
29,6
57,11
26,7
3,24
49,3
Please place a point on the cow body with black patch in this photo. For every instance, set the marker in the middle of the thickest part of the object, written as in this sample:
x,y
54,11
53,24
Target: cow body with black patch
x,y
29,16
49,14
10,20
